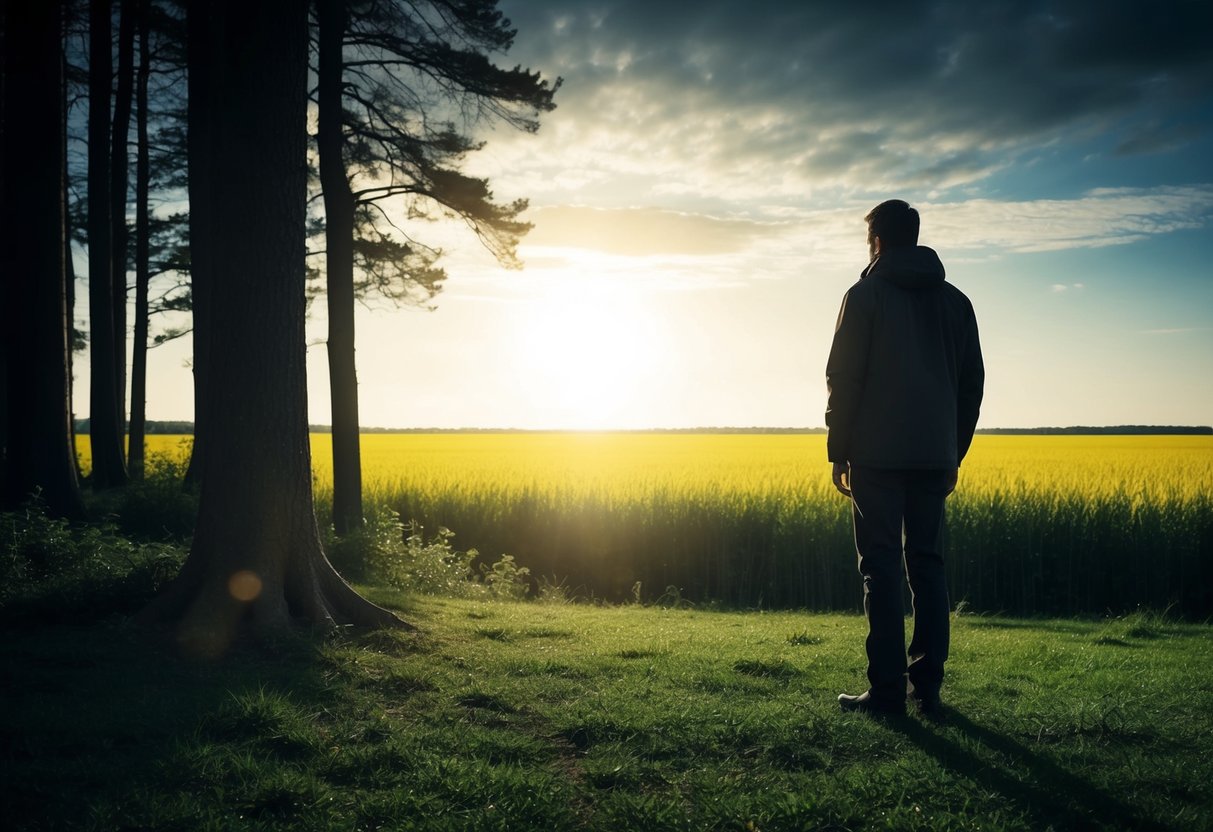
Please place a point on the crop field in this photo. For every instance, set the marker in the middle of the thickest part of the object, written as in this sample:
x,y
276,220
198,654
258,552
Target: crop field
x,y
1038,525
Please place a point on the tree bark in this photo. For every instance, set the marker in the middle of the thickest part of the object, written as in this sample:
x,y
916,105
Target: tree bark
x,y
34,340
199,104
69,263
135,452
256,561
105,436
69,273
118,193
339,259
4,264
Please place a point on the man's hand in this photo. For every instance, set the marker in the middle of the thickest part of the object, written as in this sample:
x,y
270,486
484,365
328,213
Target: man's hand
x,y
842,478
951,480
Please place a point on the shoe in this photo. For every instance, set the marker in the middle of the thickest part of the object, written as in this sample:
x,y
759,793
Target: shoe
x,y
927,705
865,704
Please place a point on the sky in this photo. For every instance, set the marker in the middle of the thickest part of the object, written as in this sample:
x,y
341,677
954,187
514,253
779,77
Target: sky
x,y
698,198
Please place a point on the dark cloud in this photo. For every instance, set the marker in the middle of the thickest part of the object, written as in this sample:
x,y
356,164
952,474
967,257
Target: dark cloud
x,y
1156,138
945,89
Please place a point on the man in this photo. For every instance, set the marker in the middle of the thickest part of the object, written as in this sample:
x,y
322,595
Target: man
x,y
905,379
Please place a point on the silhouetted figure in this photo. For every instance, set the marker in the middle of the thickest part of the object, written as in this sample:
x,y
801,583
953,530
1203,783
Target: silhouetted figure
x,y
905,380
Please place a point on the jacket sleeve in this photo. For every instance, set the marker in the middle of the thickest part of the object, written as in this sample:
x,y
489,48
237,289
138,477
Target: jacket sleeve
x,y
845,370
969,390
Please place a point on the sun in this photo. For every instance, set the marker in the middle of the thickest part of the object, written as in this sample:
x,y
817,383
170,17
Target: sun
x,y
586,351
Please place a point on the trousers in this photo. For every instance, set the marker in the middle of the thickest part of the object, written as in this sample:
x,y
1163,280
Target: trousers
x,y
898,516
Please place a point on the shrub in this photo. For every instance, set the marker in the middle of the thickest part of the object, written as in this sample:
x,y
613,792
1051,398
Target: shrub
x,y
53,571
159,507
398,554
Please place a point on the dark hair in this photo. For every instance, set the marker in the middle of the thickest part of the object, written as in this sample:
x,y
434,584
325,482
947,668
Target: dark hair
x,y
894,222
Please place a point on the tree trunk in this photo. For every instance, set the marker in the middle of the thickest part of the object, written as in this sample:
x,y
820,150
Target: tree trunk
x,y
339,257
118,191
32,223
199,104
69,270
105,436
4,263
135,452
256,559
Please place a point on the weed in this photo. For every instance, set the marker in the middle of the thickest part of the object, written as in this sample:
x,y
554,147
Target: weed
x,y
505,579
553,591
803,638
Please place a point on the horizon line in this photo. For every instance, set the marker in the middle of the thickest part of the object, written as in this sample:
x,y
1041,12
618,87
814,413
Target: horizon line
x,y
155,426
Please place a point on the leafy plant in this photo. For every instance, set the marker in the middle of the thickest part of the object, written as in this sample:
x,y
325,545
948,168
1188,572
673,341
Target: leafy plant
x,y
505,578
51,570
394,553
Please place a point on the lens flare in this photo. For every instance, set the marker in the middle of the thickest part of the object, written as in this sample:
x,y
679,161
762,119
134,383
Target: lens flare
x,y
244,585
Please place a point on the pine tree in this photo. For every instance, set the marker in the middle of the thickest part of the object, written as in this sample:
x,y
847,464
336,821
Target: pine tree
x,y
401,85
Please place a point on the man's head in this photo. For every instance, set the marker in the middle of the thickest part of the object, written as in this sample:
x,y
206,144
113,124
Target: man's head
x,y
894,223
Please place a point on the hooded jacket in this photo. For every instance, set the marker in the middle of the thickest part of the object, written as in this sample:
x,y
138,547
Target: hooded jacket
x,y
905,373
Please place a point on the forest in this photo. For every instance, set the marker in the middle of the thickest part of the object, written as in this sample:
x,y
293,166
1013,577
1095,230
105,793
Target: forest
x,y
221,96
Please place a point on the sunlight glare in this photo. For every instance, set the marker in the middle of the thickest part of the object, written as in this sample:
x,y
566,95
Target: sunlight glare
x,y
587,350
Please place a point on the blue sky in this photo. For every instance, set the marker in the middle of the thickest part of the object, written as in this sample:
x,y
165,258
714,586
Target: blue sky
x,y
698,197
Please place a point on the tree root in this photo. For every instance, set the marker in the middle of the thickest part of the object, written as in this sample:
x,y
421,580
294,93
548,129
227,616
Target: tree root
x,y
209,606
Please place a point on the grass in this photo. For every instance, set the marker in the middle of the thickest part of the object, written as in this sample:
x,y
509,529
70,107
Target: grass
x,y
513,716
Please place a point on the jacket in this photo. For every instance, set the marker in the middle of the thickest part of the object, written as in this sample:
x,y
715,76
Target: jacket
x,y
905,373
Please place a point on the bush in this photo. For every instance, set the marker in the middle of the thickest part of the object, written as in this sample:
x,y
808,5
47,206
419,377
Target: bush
x,y
53,571
158,507
390,552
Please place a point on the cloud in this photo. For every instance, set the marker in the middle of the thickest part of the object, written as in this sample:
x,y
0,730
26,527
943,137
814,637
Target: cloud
x,y
641,232
1102,217
977,229
1156,138
777,100
714,250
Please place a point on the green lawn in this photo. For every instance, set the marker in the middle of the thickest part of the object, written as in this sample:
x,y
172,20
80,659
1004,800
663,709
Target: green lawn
x,y
530,716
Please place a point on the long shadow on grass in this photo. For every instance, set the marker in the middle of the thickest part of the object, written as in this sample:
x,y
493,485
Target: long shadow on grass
x,y
95,715
1050,795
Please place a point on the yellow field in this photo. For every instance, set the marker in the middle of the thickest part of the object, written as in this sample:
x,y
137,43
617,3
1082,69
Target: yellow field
x,y
627,466
1061,524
